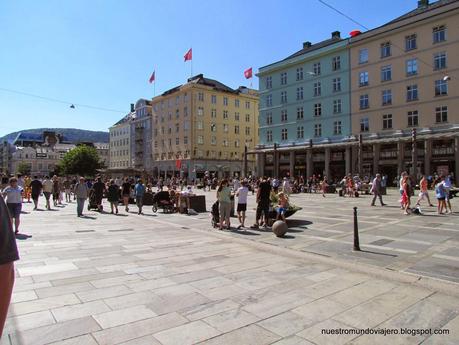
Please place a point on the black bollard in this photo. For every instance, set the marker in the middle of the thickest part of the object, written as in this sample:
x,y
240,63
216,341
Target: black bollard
x,y
356,231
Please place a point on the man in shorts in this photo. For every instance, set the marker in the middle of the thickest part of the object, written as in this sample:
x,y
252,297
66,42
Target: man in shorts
x,y
242,193
424,191
13,194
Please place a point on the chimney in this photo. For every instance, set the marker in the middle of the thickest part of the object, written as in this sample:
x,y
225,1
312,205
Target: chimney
x,y
336,34
306,44
423,3
132,107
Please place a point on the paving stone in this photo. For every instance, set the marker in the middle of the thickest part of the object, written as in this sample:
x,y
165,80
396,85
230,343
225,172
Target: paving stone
x,y
188,334
204,310
23,296
314,333
294,340
82,340
28,321
95,294
79,310
231,320
250,335
152,284
42,304
37,270
147,340
63,289
133,299
167,304
123,316
119,280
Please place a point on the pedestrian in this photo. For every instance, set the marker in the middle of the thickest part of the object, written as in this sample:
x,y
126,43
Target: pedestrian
x,y
56,190
241,194
36,188
324,186
99,189
126,193
263,202
405,200
286,188
440,193
27,188
401,189
139,191
113,196
282,205
67,190
8,254
224,199
81,193
376,187
47,191
448,185
13,197
424,191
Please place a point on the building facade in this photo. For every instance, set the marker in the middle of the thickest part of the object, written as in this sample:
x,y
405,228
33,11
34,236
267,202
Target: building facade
x,y
304,113
405,78
6,151
204,126
141,132
120,145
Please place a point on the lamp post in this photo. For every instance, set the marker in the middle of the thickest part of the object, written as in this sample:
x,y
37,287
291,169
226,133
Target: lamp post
x,y
360,155
245,161
275,168
414,154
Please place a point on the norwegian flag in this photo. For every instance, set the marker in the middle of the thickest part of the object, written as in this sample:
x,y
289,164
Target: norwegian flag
x,y
189,55
248,73
152,78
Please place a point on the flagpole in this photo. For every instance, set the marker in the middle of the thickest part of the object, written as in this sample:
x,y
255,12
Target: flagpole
x,y
191,63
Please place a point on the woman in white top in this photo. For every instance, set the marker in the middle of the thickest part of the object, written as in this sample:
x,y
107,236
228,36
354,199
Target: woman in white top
x,y
242,193
13,198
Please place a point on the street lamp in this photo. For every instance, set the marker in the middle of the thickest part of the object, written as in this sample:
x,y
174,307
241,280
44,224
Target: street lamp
x,y
275,172
414,153
360,154
245,156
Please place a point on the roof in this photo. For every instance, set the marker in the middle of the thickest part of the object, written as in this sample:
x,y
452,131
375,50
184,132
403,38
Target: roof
x,y
125,119
420,10
24,136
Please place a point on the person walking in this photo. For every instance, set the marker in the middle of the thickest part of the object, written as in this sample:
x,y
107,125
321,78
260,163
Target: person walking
x,y
36,188
8,254
126,193
47,191
401,189
448,185
440,193
99,189
376,187
263,202
242,193
113,196
67,190
13,196
224,199
324,185
27,188
424,191
139,191
56,190
81,193
406,195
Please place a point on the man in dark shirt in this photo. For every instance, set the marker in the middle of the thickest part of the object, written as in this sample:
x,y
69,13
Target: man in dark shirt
x,y
36,186
8,254
99,188
263,193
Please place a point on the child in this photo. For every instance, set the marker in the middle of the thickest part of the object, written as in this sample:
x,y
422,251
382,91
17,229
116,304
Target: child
x,y
282,206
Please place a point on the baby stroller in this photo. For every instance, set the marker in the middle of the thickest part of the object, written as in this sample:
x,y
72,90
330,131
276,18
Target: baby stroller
x,y
92,204
215,213
163,200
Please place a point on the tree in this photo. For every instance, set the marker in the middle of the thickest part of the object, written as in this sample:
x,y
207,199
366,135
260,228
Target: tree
x,y
24,168
83,160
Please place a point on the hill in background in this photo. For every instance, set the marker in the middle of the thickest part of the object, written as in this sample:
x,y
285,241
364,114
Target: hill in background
x,y
71,135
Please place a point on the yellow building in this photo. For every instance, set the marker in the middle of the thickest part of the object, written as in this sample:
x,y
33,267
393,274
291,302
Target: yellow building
x,y
405,76
204,126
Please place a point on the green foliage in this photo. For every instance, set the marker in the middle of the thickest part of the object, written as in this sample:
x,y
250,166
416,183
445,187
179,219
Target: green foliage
x,y
82,160
24,168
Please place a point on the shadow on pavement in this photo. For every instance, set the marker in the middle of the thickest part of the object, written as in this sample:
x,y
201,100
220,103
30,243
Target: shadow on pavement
x,y
297,222
20,236
377,253
88,217
245,233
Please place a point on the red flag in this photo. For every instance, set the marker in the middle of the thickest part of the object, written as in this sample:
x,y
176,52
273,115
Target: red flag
x,y
248,73
178,163
152,78
189,54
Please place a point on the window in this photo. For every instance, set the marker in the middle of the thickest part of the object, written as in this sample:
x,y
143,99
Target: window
x,y
225,127
201,96
213,127
441,114
177,128
440,60
269,118
299,113
284,116
387,121
200,111
213,140
318,130
247,104
363,55
177,141
236,129
300,132
316,68
199,125
411,93
363,78
364,124
269,136
225,114
337,106
386,97
185,97
317,89
336,84
177,113
337,128
336,63
441,87
185,140
299,73
200,139
284,134
284,78
236,103
284,97
214,99
225,142
185,111
411,67
364,102
269,82
236,116
385,49
247,130
299,93
225,101
410,42
413,120
247,117
170,130
236,143
439,34
386,73
213,113
269,100
318,109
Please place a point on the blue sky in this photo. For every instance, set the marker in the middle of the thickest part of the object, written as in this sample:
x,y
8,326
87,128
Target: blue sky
x,y
101,52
